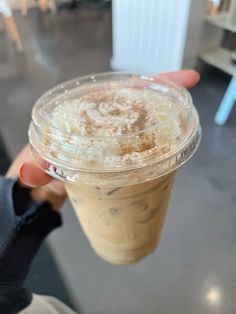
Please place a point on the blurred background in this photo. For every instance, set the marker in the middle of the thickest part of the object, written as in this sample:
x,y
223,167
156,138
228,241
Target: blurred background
x,y
46,42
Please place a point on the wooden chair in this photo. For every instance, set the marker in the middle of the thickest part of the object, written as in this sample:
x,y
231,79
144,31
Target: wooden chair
x,y
44,5
10,24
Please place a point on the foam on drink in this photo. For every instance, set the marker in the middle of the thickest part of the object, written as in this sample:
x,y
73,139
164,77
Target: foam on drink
x,y
116,114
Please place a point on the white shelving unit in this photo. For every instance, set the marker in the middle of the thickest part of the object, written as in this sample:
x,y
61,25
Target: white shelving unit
x,y
221,57
221,20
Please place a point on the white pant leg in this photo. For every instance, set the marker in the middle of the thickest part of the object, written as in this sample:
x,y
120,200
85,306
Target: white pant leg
x,y
46,305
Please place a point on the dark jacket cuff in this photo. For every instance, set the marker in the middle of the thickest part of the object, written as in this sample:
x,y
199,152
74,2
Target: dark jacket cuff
x,y
17,209
24,224
13,298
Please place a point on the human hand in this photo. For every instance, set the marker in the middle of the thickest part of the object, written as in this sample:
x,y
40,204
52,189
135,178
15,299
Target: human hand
x,y
46,188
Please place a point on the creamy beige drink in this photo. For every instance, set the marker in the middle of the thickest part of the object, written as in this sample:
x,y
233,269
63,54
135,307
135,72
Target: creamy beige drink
x,y
123,224
116,141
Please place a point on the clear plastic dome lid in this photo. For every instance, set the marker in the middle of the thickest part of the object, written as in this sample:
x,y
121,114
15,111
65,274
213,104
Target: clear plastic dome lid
x,y
114,127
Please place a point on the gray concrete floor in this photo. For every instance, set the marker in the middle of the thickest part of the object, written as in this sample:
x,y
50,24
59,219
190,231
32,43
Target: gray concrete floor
x,y
193,269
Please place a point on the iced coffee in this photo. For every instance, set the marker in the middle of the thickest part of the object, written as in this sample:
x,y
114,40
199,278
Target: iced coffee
x,y
116,141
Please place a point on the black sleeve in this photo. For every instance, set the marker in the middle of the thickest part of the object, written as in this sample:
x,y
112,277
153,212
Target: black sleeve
x,y
24,224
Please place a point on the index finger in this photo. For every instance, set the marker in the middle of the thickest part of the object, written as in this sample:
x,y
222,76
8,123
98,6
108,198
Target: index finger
x,y
186,78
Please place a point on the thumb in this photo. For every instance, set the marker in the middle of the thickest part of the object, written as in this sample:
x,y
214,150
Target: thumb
x,y
33,176
44,187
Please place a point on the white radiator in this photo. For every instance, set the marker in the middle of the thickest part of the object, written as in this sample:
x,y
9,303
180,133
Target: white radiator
x,y
149,35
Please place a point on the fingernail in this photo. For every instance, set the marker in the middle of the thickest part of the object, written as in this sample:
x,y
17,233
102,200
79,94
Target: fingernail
x,y
198,76
21,177
21,173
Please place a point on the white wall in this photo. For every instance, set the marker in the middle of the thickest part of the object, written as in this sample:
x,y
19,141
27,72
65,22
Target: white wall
x,y
149,36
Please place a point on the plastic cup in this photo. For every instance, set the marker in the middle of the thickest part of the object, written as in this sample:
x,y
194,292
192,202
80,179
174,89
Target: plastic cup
x,y
116,140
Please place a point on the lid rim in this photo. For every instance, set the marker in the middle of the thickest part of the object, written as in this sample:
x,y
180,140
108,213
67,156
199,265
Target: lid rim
x,y
195,139
126,181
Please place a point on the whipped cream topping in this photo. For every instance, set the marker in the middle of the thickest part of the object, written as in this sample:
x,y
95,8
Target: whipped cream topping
x,y
110,126
110,112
